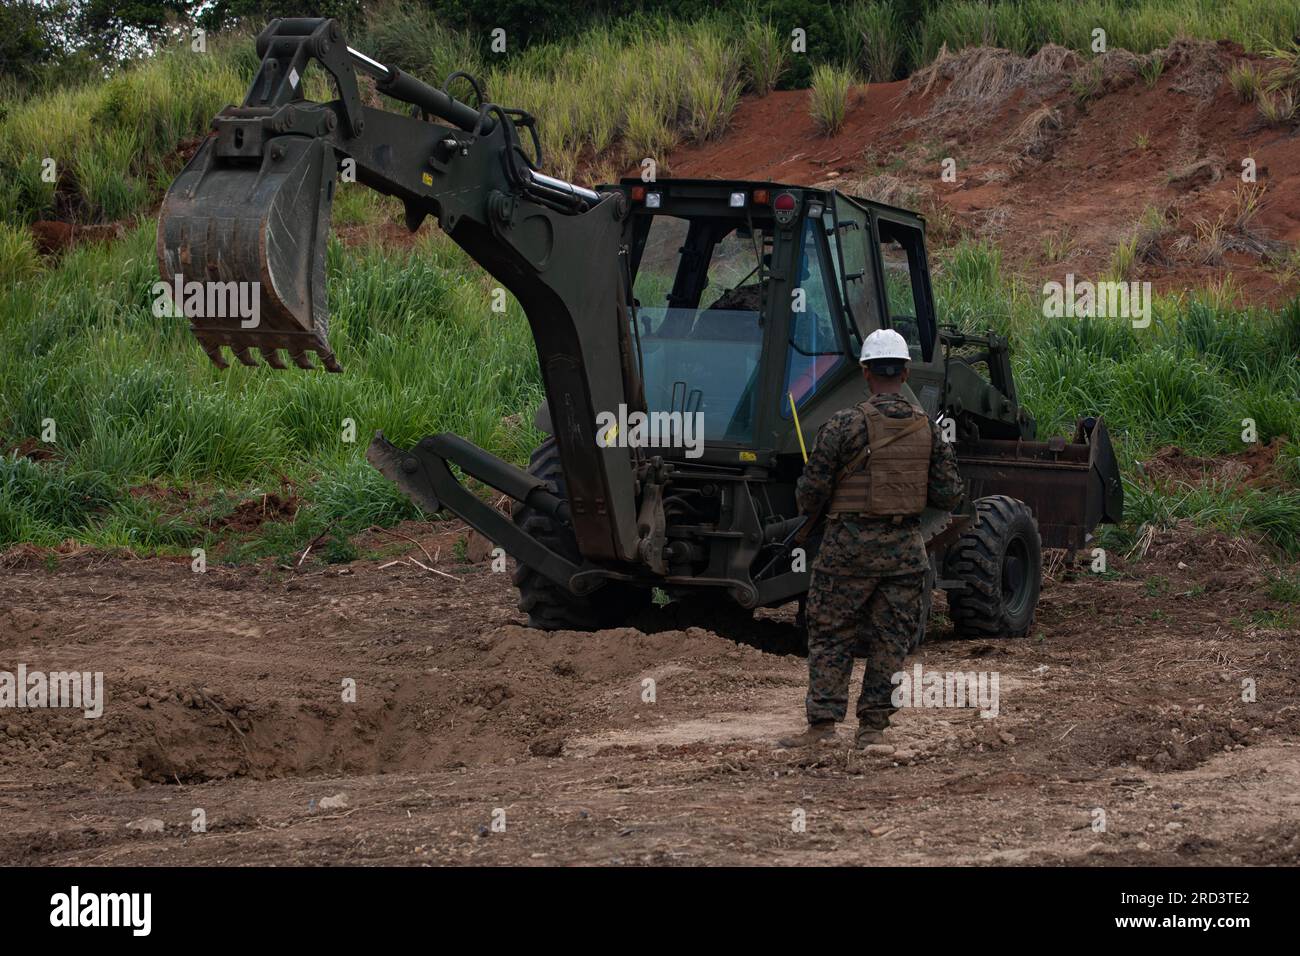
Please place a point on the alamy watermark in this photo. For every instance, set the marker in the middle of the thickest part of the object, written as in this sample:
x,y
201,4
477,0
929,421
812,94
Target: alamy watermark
x,y
624,429
75,909
1098,300
209,300
56,690
922,688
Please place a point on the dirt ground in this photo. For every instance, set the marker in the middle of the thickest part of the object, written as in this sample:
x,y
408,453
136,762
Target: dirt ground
x,y
224,694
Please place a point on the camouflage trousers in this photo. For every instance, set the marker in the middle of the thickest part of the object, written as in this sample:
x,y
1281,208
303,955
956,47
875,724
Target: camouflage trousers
x,y
877,618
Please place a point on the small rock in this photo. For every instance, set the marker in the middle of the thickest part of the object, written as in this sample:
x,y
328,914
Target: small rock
x,y
478,548
1143,845
547,747
1173,825
337,802
147,825
13,730
1006,738
143,703
882,750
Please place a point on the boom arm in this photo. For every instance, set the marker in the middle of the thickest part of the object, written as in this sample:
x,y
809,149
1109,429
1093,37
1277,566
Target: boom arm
x,y
253,206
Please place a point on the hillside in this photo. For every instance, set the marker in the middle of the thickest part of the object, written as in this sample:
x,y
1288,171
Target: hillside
x,y
1058,180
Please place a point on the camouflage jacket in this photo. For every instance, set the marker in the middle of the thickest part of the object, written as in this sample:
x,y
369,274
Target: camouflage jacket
x,y
871,547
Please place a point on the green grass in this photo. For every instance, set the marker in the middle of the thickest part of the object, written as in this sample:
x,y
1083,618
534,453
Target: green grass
x,y
1024,26
136,403
113,142
629,87
828,100
875,38
763,54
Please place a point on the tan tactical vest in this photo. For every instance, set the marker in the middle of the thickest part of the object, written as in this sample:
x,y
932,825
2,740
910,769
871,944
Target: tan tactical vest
x,y
891,477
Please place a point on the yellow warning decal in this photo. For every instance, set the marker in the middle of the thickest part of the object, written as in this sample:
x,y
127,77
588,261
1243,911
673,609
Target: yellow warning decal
x,y
427,178
748,456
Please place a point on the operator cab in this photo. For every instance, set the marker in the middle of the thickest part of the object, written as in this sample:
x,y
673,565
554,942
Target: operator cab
x,y
751,289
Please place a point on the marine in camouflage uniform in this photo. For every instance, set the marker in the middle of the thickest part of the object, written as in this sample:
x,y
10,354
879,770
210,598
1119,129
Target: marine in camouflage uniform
x,y
869,572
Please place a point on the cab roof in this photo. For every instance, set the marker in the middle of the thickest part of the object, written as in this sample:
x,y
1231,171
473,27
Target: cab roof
x,y
749,185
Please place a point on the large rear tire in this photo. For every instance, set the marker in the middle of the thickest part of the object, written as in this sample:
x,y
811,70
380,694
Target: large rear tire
x,y
1000,560
549,606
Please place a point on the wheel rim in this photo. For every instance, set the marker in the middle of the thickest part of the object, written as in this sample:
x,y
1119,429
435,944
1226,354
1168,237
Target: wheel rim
x,y
1015,577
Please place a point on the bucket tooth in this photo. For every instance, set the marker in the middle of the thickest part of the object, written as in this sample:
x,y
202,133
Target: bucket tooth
x,y
214,353
302,359
241,353
272,357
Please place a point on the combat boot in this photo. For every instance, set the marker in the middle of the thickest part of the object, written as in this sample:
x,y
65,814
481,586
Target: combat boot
x,y
866,736
822,730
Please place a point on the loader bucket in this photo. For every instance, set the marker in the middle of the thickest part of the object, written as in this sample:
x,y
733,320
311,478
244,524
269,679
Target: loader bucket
x,y
1070,486
242,237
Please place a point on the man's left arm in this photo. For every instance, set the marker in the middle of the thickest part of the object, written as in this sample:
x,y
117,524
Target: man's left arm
x,y
945,485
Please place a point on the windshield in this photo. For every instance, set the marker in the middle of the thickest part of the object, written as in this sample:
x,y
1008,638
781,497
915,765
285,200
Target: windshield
x,y
701,359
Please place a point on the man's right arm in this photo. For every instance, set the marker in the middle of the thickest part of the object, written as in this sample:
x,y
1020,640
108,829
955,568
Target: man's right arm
x,y
817,483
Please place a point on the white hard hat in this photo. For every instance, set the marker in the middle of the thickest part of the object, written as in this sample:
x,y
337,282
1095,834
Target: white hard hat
x,y
884,344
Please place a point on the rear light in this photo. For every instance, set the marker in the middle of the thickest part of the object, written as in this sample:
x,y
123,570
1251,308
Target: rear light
x,y
638,194
784,208
760,197
737,200
652,200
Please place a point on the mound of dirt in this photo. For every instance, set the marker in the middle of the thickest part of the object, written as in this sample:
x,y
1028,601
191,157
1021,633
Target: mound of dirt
x,y
252,514
1254,467
53,237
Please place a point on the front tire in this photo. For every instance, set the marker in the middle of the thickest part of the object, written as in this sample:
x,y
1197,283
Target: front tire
x,y
549,606
1000,561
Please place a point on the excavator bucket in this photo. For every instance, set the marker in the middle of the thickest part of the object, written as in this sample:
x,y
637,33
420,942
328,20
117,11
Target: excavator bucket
x,y
241,245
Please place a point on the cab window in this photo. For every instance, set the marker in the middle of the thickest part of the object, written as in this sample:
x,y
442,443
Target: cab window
x,y
849,235
902,258
816,348
699,294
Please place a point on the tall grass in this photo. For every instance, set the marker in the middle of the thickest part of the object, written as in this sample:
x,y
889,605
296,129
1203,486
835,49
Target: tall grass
x,y
763,53
135,402
636,86
627,88
1137,25
112,142
874,37
18,259
828,100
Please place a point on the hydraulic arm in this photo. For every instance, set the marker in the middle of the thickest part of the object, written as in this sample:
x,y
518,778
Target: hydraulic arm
x,y
253,205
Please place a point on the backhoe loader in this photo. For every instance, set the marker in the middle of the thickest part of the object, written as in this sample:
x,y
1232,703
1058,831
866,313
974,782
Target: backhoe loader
x,y
735,307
